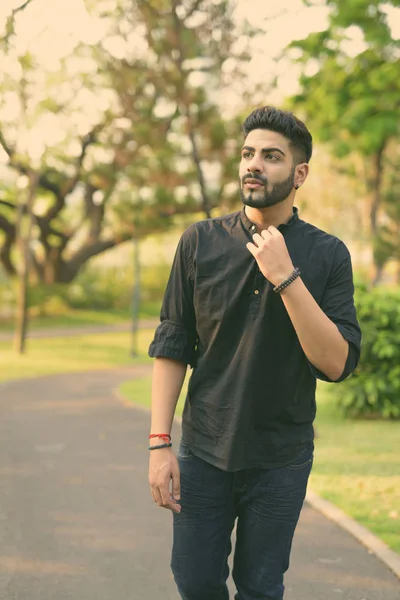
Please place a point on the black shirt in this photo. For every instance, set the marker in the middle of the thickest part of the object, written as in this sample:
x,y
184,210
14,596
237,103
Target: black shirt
x,y
251,396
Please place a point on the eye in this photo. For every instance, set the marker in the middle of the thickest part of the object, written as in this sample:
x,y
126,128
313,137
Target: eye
x,y
247,155
271,157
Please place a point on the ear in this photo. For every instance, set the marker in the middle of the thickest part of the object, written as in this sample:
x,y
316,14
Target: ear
x,y
300,174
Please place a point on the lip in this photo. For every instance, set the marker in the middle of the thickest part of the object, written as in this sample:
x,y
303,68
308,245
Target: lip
x,y
253,184
253,180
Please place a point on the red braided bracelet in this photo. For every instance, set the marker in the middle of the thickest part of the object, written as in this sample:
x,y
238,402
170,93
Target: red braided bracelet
x,y
163,436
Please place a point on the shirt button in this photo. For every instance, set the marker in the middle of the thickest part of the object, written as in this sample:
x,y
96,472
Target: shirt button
x,y
256,291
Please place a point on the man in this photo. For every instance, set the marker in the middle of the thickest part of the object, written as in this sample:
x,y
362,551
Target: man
x,y
260,304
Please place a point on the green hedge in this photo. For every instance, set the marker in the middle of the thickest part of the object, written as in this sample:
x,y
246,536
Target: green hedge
x,y
373,390
95,288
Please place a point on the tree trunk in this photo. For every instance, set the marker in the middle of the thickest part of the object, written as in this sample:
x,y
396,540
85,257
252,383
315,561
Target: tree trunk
x,y
185,109
378,274
196,159
136,294
376,184
24,229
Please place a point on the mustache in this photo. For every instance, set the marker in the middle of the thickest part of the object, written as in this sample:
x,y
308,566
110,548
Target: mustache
x,y
256,177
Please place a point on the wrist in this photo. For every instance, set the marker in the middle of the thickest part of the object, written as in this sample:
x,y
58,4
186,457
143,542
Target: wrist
x,y
282,275
157,441
160,446
286,282
293,286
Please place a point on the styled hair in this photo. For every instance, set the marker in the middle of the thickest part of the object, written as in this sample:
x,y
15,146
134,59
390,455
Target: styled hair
x,y
285,123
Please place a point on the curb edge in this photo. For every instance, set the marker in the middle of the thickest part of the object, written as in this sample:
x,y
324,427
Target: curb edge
x,y
374,544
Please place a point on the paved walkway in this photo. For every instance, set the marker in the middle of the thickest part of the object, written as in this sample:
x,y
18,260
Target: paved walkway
x,y
46,332
77,520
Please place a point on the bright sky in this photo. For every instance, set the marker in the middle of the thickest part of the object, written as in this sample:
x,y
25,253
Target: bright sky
x,y
51,29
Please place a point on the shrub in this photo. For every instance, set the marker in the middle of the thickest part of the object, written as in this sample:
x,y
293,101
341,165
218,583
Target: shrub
x,y
44,300
373,390
110,288
97,288
7,300
154,279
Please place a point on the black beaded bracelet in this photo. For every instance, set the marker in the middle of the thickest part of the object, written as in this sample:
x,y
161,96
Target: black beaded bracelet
x,y
160,446
294,275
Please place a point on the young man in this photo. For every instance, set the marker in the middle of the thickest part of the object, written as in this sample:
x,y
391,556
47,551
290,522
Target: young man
x,y
260,304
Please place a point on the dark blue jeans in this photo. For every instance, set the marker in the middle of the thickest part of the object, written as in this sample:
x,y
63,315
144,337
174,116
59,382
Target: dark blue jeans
x,y
267,505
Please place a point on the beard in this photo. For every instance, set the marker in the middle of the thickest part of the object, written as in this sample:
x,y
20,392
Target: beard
x,y
262,198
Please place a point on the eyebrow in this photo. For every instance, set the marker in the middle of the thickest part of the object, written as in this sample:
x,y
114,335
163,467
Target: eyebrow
x,y
264,150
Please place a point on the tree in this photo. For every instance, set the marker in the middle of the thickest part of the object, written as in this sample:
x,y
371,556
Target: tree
x,y
351,100
23,234
122,166
187,44
387,241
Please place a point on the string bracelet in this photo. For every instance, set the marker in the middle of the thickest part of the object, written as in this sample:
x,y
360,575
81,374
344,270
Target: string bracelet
x,y
163,436
160,446
294,275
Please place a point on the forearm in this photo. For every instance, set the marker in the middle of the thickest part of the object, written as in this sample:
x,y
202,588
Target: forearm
x,y
168,378
319,337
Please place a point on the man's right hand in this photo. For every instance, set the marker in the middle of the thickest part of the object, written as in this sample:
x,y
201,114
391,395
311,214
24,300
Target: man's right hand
x,y
163,468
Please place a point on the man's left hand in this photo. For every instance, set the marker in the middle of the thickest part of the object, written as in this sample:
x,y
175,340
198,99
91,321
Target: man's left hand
x,y
272,256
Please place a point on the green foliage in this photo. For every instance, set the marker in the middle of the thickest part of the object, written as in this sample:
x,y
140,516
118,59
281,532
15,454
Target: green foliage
x,y
101,288
152,125
111,288
373,391
350,99
154,279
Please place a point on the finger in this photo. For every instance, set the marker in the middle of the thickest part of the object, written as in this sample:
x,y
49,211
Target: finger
x,y
257,239
252,248
176,484
273,230
265,234
168,501
166,498
171,505
155,492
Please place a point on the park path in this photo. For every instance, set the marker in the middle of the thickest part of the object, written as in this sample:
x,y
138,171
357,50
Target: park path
x,y
77,520
47,332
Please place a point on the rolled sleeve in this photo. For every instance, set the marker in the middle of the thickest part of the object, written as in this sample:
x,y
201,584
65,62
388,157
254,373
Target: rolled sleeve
x,y
176,336
338,304
173,340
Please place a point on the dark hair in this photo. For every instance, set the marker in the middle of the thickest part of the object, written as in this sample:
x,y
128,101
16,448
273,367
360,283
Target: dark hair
x,y
285,123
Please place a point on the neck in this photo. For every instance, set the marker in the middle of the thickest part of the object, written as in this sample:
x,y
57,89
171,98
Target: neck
x,y
273,215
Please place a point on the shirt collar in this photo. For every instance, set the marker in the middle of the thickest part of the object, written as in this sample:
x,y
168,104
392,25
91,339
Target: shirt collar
x,y
283,227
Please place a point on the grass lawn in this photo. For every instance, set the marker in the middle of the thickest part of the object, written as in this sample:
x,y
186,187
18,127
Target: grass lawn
x,y
79,353
356,465
75,318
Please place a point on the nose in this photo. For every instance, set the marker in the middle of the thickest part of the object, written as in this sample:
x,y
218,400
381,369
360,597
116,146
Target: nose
x,y
255,165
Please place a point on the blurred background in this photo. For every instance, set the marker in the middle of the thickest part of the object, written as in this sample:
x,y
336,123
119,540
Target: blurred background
x,y
120,124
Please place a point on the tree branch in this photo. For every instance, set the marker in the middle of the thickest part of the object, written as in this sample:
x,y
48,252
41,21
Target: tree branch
x,y
89,139
7,204
62,192
191,12
7,149
5,250
186,112
6,226
20,8
86,252
44,181
94,212
151,9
